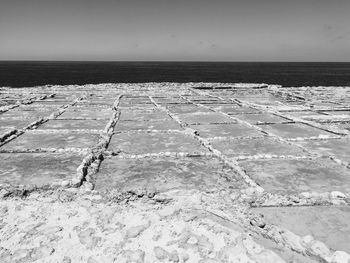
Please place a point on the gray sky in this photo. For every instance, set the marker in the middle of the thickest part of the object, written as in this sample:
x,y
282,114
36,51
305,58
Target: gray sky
x,y
201,30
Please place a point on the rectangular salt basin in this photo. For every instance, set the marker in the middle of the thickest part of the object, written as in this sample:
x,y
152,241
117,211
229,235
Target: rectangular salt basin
x,y
256,146
224,107
147,125
37,168
169,100
225,130
74,124
338,112
60,103
330,225
149,142
17,123
186,108
128,106
261,118
97,102
242,110
133,101
164,174
37,140
300,114
294,130
86,113
204,118
139,115
27,114
288,176
340,148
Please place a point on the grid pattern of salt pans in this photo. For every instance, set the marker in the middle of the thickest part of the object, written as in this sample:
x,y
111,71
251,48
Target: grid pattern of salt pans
x,y
270,149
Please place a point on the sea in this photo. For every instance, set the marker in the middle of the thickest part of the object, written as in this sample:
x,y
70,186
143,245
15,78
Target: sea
x,y
35,73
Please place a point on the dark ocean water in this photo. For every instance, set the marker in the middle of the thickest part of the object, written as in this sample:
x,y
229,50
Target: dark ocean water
x,y
27,74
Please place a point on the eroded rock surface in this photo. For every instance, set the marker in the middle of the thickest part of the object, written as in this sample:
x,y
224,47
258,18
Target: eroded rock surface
x,y
168,172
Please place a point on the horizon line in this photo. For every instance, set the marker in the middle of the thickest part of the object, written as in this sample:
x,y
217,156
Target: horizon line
x,y
173,61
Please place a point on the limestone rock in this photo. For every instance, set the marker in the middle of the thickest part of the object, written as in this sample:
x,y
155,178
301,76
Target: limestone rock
x,y
134,256
160,253
133,232
340,257
88,239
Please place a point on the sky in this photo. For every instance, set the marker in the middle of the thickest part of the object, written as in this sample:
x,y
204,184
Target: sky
x,y
175,30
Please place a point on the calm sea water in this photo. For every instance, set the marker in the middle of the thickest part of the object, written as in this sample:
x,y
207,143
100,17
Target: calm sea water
x,y
26,74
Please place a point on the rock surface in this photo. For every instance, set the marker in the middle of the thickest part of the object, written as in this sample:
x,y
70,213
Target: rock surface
x,y
169,172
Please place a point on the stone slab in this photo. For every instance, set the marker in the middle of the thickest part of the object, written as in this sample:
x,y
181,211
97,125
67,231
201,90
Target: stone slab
x,y
288,176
